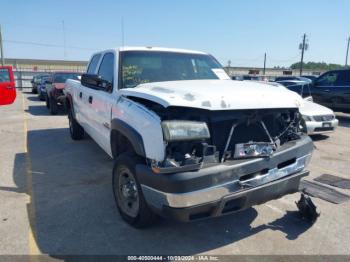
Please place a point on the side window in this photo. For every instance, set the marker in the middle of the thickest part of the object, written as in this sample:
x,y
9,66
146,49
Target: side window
x,y
327,79
93,64
344,78
106,70
4,75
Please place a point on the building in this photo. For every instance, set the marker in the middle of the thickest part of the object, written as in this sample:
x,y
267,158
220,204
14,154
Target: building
x,y
269,72
36,65
25,69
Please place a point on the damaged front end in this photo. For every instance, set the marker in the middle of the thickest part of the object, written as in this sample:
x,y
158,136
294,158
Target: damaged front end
x,y
196,138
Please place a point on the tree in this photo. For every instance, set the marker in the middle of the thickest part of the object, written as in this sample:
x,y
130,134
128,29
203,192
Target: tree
x,y
317,66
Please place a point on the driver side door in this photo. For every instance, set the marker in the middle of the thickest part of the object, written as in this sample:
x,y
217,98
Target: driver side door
x,y
323,88
7,86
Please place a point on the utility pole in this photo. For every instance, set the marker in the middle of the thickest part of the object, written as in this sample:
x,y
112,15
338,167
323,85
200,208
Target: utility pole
x,y
264,64
347,52
303,46
64,40
1,49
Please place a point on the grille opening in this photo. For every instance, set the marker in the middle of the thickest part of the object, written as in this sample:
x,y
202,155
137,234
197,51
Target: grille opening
x,y
318,129
286,163
252,175
200,215
233,205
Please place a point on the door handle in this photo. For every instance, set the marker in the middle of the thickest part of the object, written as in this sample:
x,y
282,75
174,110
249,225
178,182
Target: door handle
x,y
90,99
80,95
9,87
327,90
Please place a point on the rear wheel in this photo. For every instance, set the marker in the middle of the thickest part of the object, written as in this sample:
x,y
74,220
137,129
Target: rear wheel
x,y
53,107
75,129
47,102
128,195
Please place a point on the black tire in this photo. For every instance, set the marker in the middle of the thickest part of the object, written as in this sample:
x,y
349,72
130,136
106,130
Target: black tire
x,y
41,97
47,102
53,107
141,216
75,129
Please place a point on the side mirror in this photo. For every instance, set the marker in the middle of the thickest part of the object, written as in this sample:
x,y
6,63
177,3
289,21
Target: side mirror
x,y
96,82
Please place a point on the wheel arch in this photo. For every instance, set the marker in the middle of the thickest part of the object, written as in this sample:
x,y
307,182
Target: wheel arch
x,y
124,136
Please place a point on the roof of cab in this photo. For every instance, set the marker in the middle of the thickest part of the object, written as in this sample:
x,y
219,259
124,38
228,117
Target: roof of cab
x,y
160,49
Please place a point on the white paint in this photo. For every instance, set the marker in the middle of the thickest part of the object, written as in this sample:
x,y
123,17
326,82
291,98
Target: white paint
x,y
216,94
221,74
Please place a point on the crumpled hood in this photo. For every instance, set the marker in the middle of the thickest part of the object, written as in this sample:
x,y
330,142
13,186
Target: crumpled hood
x,y
216,94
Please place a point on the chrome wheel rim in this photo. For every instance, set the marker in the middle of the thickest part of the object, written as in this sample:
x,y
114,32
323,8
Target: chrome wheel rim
x,y
128,197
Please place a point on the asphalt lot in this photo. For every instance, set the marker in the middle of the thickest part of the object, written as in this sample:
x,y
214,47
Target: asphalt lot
x,y
56,198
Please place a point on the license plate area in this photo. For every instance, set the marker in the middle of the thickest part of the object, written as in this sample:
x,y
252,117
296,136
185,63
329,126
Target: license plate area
x,y
254,149
326,124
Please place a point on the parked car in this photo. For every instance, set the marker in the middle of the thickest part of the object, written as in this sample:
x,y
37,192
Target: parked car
x,y
317,119
332,89
41,87
250,77
54,89
188,142
311,77
298,86
7,85
36,81
297,78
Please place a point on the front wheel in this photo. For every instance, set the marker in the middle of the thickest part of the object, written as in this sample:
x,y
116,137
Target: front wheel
x,y
53,107
128,195
75,129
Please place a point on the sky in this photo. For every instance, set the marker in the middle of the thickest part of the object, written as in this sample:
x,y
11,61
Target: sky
x,y
237,30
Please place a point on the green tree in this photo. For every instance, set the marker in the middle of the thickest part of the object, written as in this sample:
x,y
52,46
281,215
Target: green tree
x,y
317,66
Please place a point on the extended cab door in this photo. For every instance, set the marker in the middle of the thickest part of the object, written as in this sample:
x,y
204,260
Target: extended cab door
x,y
81,95
7,86
342,90
323,89
100,103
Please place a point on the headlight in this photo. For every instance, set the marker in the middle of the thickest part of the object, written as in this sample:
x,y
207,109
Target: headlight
x,y
307,118
179,130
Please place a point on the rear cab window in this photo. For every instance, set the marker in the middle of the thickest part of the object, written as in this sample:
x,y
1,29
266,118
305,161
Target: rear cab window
x,y
93,64
106,69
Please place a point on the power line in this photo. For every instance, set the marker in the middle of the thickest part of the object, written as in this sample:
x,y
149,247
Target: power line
x,y
47,45
64,40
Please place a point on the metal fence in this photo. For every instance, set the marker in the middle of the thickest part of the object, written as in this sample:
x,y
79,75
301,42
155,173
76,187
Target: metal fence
x,y
23,78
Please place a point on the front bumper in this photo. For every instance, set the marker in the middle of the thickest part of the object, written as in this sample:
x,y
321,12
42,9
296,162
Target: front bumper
x,y
228,187
314,127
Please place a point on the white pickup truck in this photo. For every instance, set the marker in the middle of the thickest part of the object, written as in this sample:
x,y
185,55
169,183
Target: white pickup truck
x,y
188,142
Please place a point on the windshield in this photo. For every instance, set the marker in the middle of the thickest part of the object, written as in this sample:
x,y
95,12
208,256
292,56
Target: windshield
x,y
61,78
44,78
144,67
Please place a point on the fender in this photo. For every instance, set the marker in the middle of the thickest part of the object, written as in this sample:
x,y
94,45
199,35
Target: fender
x,y
131,134
70,103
